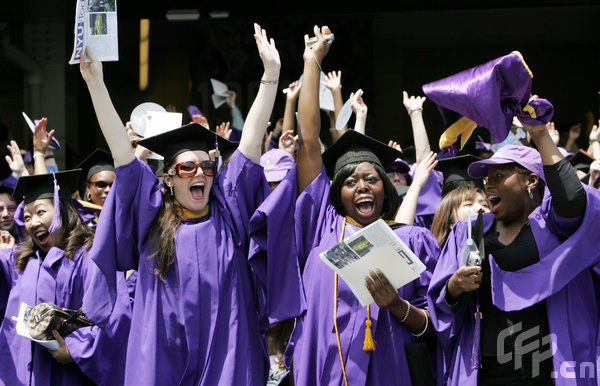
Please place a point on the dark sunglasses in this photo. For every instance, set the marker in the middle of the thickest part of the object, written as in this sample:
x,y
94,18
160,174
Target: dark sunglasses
x,y
188,169
101,184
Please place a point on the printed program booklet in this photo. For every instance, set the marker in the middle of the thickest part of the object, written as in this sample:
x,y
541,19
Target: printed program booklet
x,y
374,247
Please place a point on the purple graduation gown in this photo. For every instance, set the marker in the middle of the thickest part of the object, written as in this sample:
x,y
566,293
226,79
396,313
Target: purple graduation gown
x,y
315,352
568,290
202,324
62,281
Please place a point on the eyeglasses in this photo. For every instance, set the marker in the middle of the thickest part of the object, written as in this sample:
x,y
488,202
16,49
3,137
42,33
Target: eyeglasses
x,y
391,173
188,169
101,184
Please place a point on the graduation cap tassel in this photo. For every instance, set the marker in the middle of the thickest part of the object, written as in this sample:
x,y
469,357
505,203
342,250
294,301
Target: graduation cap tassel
x,y
218,158
56,219
369,344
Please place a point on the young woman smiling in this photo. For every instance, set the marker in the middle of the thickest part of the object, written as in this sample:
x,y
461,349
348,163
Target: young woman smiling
x,y
197,315
483,314
333,340
52,265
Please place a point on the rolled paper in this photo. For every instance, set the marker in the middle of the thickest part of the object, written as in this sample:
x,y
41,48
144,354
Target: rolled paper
x,y
490,95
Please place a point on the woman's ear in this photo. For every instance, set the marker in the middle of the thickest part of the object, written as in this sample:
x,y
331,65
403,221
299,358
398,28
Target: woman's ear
x,y
168,180
532,181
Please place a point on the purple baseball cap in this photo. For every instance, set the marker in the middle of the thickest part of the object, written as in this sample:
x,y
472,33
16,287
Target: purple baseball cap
x,y
525,156
276,163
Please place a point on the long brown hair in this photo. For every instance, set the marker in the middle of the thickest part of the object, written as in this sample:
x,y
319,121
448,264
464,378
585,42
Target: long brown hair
x,y
446,214
75,236
162,235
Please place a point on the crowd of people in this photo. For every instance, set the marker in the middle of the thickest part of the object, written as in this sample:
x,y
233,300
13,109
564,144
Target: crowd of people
x,y
205,268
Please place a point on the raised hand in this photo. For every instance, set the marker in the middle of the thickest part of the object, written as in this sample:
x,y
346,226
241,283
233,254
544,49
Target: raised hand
x,y
554,134
231,95
91,71
294,91
423,170
287,142
413,103
201,120
333,80
394,144
41,139
356,102
7,241
268,53
320,49
15,160
223,130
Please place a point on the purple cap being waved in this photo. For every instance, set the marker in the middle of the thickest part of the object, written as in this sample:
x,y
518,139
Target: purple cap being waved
x,y
276,163
488,95
525,156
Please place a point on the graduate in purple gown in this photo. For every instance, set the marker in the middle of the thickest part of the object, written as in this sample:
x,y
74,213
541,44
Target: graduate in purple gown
x,y
520,318
198,314
338,341
51,264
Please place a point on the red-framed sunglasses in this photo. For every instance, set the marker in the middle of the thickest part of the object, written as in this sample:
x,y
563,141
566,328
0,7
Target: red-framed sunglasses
x,y
188,169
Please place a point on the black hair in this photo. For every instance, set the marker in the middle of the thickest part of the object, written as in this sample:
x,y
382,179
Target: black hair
x,y
451,185
391,201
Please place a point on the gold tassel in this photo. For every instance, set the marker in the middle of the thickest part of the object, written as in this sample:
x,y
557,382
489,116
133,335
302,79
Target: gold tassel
x,y
369,344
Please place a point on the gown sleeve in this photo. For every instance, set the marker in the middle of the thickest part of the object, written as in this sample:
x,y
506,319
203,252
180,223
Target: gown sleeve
x,y
272,252
313,212
100,352
122,230
512,291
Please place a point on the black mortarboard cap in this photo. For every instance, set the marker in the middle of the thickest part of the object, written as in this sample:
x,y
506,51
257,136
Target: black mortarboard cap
x,y
409,155
455,168
228,149
581,160
356,147
31,188
99,160
190,137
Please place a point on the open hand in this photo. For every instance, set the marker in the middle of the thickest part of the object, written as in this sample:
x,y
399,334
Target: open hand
x,y
268,53
15,160
41,139
223,130
333,80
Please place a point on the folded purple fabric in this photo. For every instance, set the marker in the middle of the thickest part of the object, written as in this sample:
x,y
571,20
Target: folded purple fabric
x,y
491,94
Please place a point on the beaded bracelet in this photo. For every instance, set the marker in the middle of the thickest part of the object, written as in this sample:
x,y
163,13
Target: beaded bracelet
x,y
39,154
263,81
407,311
426,324
415,109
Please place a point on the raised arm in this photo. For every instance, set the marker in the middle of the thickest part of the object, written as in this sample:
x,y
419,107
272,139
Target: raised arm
x,y
360,109
41,140
333,81
258,117
111,125
310,163
414,107
289,113
408,208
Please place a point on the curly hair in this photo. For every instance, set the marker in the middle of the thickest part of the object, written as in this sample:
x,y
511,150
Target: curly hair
x,y
75,236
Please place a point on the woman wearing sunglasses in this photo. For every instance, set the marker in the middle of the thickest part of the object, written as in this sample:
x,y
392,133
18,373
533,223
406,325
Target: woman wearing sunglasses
x,y
198,313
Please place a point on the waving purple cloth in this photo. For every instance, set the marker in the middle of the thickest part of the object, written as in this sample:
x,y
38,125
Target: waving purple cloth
x,y
489,95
